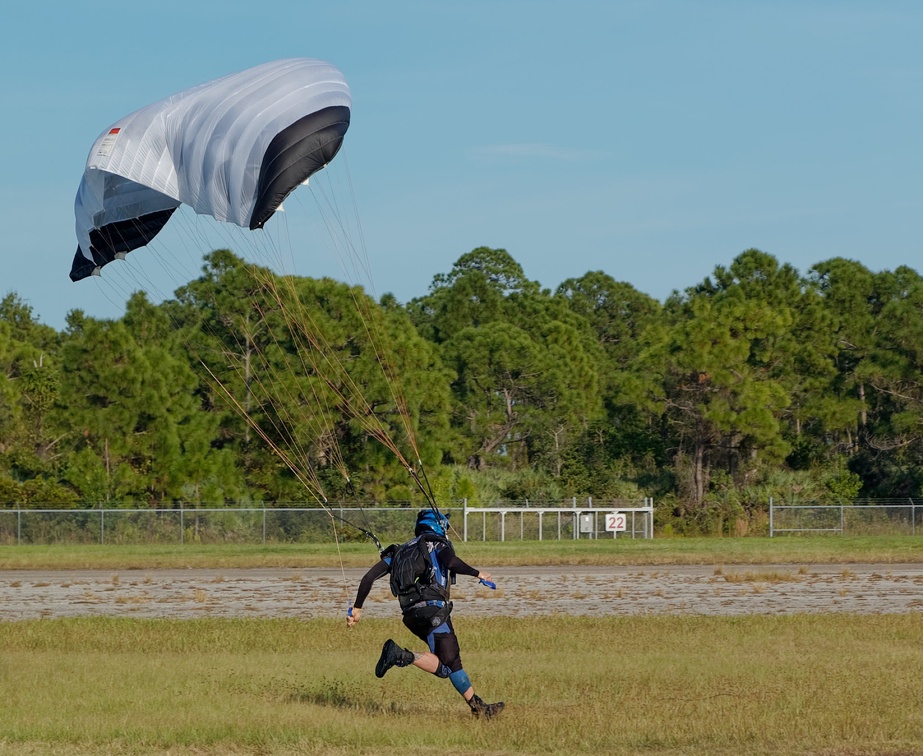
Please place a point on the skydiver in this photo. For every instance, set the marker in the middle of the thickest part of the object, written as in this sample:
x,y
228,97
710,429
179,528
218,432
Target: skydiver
x,y
428,619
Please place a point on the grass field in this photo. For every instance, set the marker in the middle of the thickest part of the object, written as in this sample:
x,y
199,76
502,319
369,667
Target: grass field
x,y
825,685
653,685
790,550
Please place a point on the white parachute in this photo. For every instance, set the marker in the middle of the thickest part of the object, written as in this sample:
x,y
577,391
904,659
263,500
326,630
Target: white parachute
x,y
232,148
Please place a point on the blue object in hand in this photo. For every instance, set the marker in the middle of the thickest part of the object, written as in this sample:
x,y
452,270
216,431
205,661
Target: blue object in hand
x,y
492,586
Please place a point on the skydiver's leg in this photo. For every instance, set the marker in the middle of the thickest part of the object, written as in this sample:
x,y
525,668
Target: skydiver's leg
x,y
444,646
445,652
426,661
443,659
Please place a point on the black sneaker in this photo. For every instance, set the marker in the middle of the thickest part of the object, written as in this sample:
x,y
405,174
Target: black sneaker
x,y
392,655
486,710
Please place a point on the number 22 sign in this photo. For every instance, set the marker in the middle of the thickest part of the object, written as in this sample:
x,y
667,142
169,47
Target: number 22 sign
x,y
616,521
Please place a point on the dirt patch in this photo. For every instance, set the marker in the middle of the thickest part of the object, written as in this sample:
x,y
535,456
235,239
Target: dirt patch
x,y
521,591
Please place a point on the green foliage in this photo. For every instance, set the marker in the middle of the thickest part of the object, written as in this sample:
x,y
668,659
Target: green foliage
x,y
36,493
251,386
29,383
527,367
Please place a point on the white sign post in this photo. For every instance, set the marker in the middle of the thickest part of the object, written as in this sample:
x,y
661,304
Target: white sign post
x,y
616,522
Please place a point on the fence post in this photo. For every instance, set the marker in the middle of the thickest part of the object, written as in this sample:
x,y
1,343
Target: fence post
x,y
102,526
19,526
182,523
465,519
770,517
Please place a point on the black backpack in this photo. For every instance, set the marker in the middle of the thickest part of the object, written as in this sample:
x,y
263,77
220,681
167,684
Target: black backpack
x,y
413,577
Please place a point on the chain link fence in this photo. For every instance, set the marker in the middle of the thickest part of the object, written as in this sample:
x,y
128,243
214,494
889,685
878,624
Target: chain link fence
x,y
297,524
866,517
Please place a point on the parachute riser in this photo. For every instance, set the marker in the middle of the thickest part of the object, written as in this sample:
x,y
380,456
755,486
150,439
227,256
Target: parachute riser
x,y
423,484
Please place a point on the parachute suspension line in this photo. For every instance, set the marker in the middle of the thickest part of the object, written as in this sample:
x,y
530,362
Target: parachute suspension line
x,y
311,349
307,480
191,238
424,487
322,425
355,205
244,361
129,273
130,278
376,336
280,419
316,346
304,471
296,457
309,340
336,540
367,531
121,281
249,349
323,355
310,482
354,266
432,496
393,384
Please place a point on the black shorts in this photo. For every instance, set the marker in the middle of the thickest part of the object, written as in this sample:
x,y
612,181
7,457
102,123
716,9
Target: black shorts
x,y
423,620
440,638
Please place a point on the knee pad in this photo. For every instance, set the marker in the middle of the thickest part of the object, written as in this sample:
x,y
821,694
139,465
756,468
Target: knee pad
x,y
443,671
460,681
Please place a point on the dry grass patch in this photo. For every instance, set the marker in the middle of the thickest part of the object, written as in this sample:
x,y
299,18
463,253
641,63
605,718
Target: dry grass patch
x,y
763,576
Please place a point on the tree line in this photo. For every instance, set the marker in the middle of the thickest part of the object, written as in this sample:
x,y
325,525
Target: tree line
x,y
250,386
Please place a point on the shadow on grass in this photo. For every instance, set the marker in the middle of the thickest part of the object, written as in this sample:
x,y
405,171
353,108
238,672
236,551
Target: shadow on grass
x,y
339,695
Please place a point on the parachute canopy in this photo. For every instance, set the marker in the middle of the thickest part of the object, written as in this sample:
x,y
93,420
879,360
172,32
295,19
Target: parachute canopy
x,y
233,149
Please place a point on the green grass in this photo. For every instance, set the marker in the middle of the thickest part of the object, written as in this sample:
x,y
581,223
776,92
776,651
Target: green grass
x,y
787,550
825,685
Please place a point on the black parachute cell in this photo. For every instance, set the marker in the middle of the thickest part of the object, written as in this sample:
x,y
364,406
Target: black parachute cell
x,y
296,153
114,238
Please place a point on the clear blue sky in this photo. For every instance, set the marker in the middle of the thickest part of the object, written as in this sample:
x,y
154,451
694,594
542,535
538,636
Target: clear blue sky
x,y
652,139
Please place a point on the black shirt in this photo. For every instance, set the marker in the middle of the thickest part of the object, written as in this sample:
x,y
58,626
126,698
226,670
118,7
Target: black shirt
x,y
445,553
